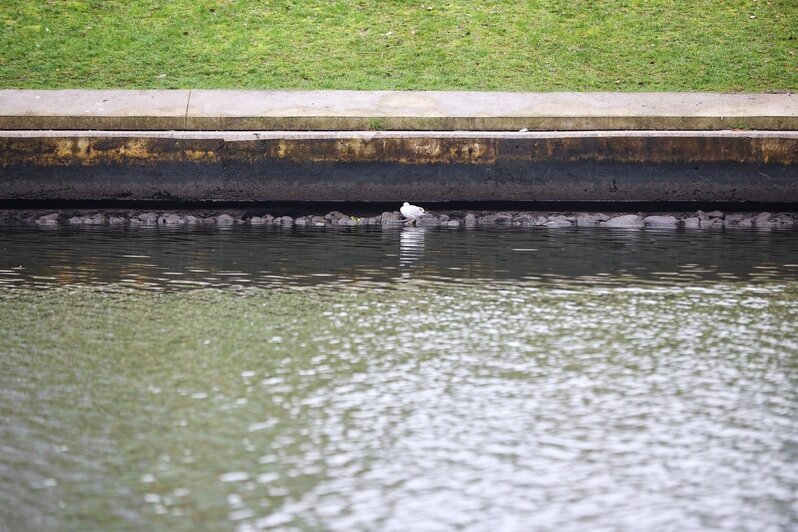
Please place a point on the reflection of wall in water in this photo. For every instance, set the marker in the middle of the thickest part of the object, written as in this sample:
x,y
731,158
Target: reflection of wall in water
x,y
306,256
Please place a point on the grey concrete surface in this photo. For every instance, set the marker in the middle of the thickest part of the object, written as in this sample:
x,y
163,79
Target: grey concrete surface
x,y
372,135
392,110
93,109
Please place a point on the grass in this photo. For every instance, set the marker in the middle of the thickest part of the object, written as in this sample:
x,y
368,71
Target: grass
x,y
538,45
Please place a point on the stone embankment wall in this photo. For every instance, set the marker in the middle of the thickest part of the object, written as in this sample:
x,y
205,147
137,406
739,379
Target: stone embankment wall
x,y
719,166
454,219
425,146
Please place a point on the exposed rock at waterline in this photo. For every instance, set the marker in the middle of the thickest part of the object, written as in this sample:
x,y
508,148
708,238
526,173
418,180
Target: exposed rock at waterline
x,y
503,218
333,216
660,221
172,219
427,220
692,223
456,218
346,220
734,219
713,223
48,219
149,218
559,220
590,220
627,220
763,218
391,218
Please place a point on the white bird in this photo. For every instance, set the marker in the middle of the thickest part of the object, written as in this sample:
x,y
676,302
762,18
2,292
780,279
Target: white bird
x,y
411,212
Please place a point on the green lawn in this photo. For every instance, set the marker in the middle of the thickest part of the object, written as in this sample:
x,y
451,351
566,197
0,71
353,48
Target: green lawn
x,y
539,45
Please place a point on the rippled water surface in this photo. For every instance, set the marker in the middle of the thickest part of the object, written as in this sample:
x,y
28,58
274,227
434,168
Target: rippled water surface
x,y
398,379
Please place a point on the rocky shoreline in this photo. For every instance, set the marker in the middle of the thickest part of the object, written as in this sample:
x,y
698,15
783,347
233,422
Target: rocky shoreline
x,y
460,218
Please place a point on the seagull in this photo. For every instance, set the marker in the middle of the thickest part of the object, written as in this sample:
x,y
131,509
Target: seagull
x,y
411,212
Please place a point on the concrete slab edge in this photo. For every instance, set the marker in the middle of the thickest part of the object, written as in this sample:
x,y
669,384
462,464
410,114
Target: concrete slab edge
x,y
228,135
205,110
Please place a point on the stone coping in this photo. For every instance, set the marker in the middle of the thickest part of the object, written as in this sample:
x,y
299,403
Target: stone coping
x,y
233,136
255,110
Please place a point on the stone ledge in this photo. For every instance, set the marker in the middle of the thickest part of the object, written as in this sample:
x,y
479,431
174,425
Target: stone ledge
x,y
240,110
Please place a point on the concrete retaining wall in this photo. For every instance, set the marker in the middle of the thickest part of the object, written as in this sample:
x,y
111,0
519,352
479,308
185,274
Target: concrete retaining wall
x,y
392,166
515,147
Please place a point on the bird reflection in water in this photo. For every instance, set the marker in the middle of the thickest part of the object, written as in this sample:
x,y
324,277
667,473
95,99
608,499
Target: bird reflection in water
x,y
411,247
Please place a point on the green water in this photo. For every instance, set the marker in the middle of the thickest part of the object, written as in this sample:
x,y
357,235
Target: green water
x,y
418,400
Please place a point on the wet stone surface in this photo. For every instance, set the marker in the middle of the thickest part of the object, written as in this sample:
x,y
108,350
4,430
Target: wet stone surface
x,y
690,220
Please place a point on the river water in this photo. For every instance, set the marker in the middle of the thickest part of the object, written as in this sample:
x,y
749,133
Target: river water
x,y
398,379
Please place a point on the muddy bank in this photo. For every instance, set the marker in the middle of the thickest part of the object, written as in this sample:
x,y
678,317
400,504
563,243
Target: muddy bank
x,y
460,218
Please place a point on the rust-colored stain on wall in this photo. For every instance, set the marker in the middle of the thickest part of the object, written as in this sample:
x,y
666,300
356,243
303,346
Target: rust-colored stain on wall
x,y
148,151
88,151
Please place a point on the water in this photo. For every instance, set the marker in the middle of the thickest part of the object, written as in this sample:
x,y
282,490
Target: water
x,y
398,379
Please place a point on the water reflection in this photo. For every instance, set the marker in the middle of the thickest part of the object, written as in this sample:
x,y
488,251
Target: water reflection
x,y
179,258
411,247
511,379
429,406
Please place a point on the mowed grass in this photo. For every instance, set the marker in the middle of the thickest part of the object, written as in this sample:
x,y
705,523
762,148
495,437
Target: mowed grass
x,y
538,45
